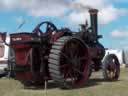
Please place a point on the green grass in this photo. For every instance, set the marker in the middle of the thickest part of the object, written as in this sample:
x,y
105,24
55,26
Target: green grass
x,y
96,86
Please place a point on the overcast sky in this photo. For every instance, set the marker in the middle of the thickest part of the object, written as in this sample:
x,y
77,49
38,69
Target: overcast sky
x,y
113,16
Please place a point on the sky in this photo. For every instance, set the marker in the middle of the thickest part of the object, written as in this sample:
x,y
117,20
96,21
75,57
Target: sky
x,y
112,17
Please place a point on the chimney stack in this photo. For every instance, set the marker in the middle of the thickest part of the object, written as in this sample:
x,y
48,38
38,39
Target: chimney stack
x,y
93,19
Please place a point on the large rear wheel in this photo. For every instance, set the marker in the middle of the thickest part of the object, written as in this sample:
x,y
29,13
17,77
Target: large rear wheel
x,y
69,62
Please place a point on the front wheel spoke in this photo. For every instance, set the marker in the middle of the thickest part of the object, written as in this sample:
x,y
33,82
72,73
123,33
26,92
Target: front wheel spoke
x,y
111,74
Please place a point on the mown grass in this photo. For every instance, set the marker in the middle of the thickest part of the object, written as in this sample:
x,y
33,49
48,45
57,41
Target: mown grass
x,y
96,86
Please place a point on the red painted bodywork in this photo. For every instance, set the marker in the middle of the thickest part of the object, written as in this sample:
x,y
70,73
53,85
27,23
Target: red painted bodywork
x,y
21,51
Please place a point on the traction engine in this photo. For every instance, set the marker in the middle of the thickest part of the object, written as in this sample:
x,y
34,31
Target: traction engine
x,y
61,55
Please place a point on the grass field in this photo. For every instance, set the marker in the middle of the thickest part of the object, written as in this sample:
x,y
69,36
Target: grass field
x,y
96,86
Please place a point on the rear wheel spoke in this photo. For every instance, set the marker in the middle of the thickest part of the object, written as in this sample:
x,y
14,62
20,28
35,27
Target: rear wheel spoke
x,y
78,71
66,57
64,66
67,74
83,58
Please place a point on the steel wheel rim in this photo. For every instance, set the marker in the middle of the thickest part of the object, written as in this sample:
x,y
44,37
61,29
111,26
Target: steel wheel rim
x,y
76,69
111,67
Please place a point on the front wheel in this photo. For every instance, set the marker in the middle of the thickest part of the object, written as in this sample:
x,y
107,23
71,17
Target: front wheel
x,y
111,67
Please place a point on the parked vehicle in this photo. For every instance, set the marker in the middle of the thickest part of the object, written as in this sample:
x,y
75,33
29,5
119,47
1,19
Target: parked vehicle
x,y
3,57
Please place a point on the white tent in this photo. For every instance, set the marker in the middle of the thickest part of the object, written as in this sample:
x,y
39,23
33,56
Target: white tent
x,y
118,53
125,55
4,58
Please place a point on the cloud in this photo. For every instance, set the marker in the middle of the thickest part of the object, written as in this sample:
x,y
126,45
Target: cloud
x,y
50,8
8,4
78,18
37,7
107,12
76,9
110,13
98,4
79,7
120,33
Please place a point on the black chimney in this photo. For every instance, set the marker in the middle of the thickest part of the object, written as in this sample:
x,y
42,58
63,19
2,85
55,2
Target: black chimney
x,y
93,18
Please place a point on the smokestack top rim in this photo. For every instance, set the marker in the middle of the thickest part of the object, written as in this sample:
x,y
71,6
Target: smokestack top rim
x,y
93,11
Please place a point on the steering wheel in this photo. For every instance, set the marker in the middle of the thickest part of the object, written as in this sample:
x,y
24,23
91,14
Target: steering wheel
x,y
50,27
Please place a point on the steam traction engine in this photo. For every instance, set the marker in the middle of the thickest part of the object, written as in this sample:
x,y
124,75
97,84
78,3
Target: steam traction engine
x,y
59,54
